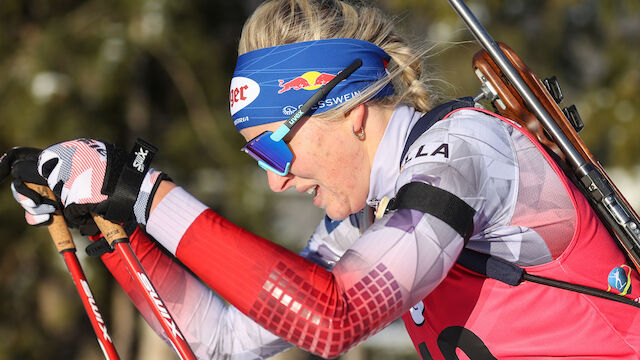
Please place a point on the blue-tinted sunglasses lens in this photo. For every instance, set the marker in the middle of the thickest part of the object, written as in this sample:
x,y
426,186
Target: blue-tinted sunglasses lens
x,y
275,154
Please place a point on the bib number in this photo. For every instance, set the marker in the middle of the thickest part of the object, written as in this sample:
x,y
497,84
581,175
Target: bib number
x,y
457,337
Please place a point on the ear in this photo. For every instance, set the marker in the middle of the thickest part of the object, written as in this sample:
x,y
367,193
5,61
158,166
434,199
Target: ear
x,y
356,117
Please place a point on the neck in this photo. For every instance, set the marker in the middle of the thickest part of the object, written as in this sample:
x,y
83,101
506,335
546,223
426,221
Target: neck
x,y
376,123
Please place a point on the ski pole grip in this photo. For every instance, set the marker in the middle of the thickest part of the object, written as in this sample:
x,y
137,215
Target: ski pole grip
x,y
112,232
58,228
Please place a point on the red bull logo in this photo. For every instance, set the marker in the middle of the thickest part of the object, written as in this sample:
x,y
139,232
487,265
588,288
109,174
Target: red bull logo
x,y
310,80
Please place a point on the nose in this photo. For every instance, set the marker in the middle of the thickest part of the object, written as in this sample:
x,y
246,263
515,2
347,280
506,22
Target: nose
x,y
279,183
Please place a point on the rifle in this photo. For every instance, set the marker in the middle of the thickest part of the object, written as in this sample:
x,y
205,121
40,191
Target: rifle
x,y
518,94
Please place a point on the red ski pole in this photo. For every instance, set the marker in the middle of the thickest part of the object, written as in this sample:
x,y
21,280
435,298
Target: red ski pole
x,y
118,239
65,246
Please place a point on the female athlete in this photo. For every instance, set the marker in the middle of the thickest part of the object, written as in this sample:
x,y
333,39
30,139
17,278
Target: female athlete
x,y
330,101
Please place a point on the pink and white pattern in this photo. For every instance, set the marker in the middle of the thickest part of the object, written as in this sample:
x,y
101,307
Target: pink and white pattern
x,y
81,166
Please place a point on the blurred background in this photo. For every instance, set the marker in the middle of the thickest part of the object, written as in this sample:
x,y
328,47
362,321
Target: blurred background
x,y
160,70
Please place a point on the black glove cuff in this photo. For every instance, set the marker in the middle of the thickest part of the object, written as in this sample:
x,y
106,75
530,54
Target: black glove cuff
x,y
125,191
98,248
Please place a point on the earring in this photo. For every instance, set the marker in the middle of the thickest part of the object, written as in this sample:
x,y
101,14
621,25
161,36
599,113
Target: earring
x,y
360,134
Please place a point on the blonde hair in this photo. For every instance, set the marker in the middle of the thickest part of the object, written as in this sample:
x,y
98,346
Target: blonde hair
x,y
278,22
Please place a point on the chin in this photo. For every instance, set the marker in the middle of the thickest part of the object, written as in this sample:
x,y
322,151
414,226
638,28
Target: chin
x,y
337,214
341,212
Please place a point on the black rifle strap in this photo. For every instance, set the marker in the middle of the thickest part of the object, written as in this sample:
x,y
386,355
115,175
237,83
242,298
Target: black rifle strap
x,y
436,202
491,267
511,274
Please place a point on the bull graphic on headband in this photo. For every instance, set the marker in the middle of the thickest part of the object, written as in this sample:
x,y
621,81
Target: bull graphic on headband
x,y
310,80
270,83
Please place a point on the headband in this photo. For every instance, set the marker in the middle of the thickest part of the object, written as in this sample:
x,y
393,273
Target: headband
x,y
270,84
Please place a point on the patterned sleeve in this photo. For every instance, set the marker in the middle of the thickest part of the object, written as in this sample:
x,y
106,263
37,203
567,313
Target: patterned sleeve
x,y
470,155
330,240
213,329
523,212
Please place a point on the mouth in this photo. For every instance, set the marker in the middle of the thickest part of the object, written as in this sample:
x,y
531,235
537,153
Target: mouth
x,y
312,190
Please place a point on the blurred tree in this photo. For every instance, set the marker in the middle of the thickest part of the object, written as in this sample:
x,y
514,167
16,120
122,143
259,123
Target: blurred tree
x,y
159,69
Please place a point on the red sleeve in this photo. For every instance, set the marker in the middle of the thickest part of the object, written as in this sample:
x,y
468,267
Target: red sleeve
x,y
286,293
163,270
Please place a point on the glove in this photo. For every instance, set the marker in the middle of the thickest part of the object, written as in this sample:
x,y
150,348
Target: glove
x,y
21,164
85,175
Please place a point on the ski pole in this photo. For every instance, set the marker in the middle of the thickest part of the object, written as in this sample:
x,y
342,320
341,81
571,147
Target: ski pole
x,y
64,244
118,239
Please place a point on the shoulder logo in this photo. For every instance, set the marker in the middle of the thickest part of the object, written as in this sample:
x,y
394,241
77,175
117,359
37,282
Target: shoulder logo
x,y
620,280
243,92
432,150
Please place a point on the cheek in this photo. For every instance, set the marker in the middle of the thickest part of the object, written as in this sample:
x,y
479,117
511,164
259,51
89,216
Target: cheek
x,y
314,153
347,170
337,158
336,162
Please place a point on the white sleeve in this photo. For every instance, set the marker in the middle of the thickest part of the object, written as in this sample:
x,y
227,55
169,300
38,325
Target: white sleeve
x,y
469,156
330,240
219,331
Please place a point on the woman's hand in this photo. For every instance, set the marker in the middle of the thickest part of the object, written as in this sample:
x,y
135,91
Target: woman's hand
x,y
21,164
85,175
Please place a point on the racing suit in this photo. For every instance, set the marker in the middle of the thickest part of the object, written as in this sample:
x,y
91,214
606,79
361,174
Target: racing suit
x,y
345,286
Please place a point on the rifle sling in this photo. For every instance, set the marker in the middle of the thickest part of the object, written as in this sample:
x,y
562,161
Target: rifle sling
x,y
511,274
459,215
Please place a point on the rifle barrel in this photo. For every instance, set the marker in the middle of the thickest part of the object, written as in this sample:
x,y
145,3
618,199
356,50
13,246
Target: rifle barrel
x,y
489,44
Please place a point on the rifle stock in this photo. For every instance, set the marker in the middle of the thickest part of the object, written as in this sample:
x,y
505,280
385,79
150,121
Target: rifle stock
x,y
591,178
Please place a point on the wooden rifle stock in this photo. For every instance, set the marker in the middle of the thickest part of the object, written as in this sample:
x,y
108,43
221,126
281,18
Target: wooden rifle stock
x,y
508,103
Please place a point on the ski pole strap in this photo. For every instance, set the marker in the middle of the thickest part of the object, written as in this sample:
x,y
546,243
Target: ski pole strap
x,y
512,274
436,202
99,248
128,185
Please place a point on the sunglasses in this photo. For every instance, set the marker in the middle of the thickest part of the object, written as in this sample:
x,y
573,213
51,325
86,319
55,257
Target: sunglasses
x,y
269,148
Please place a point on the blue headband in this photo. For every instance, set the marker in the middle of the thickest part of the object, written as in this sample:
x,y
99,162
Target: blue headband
x,y
270,84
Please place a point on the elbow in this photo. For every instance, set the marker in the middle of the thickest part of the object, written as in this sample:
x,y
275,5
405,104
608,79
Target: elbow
x,y
330,337
329,322
331,342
